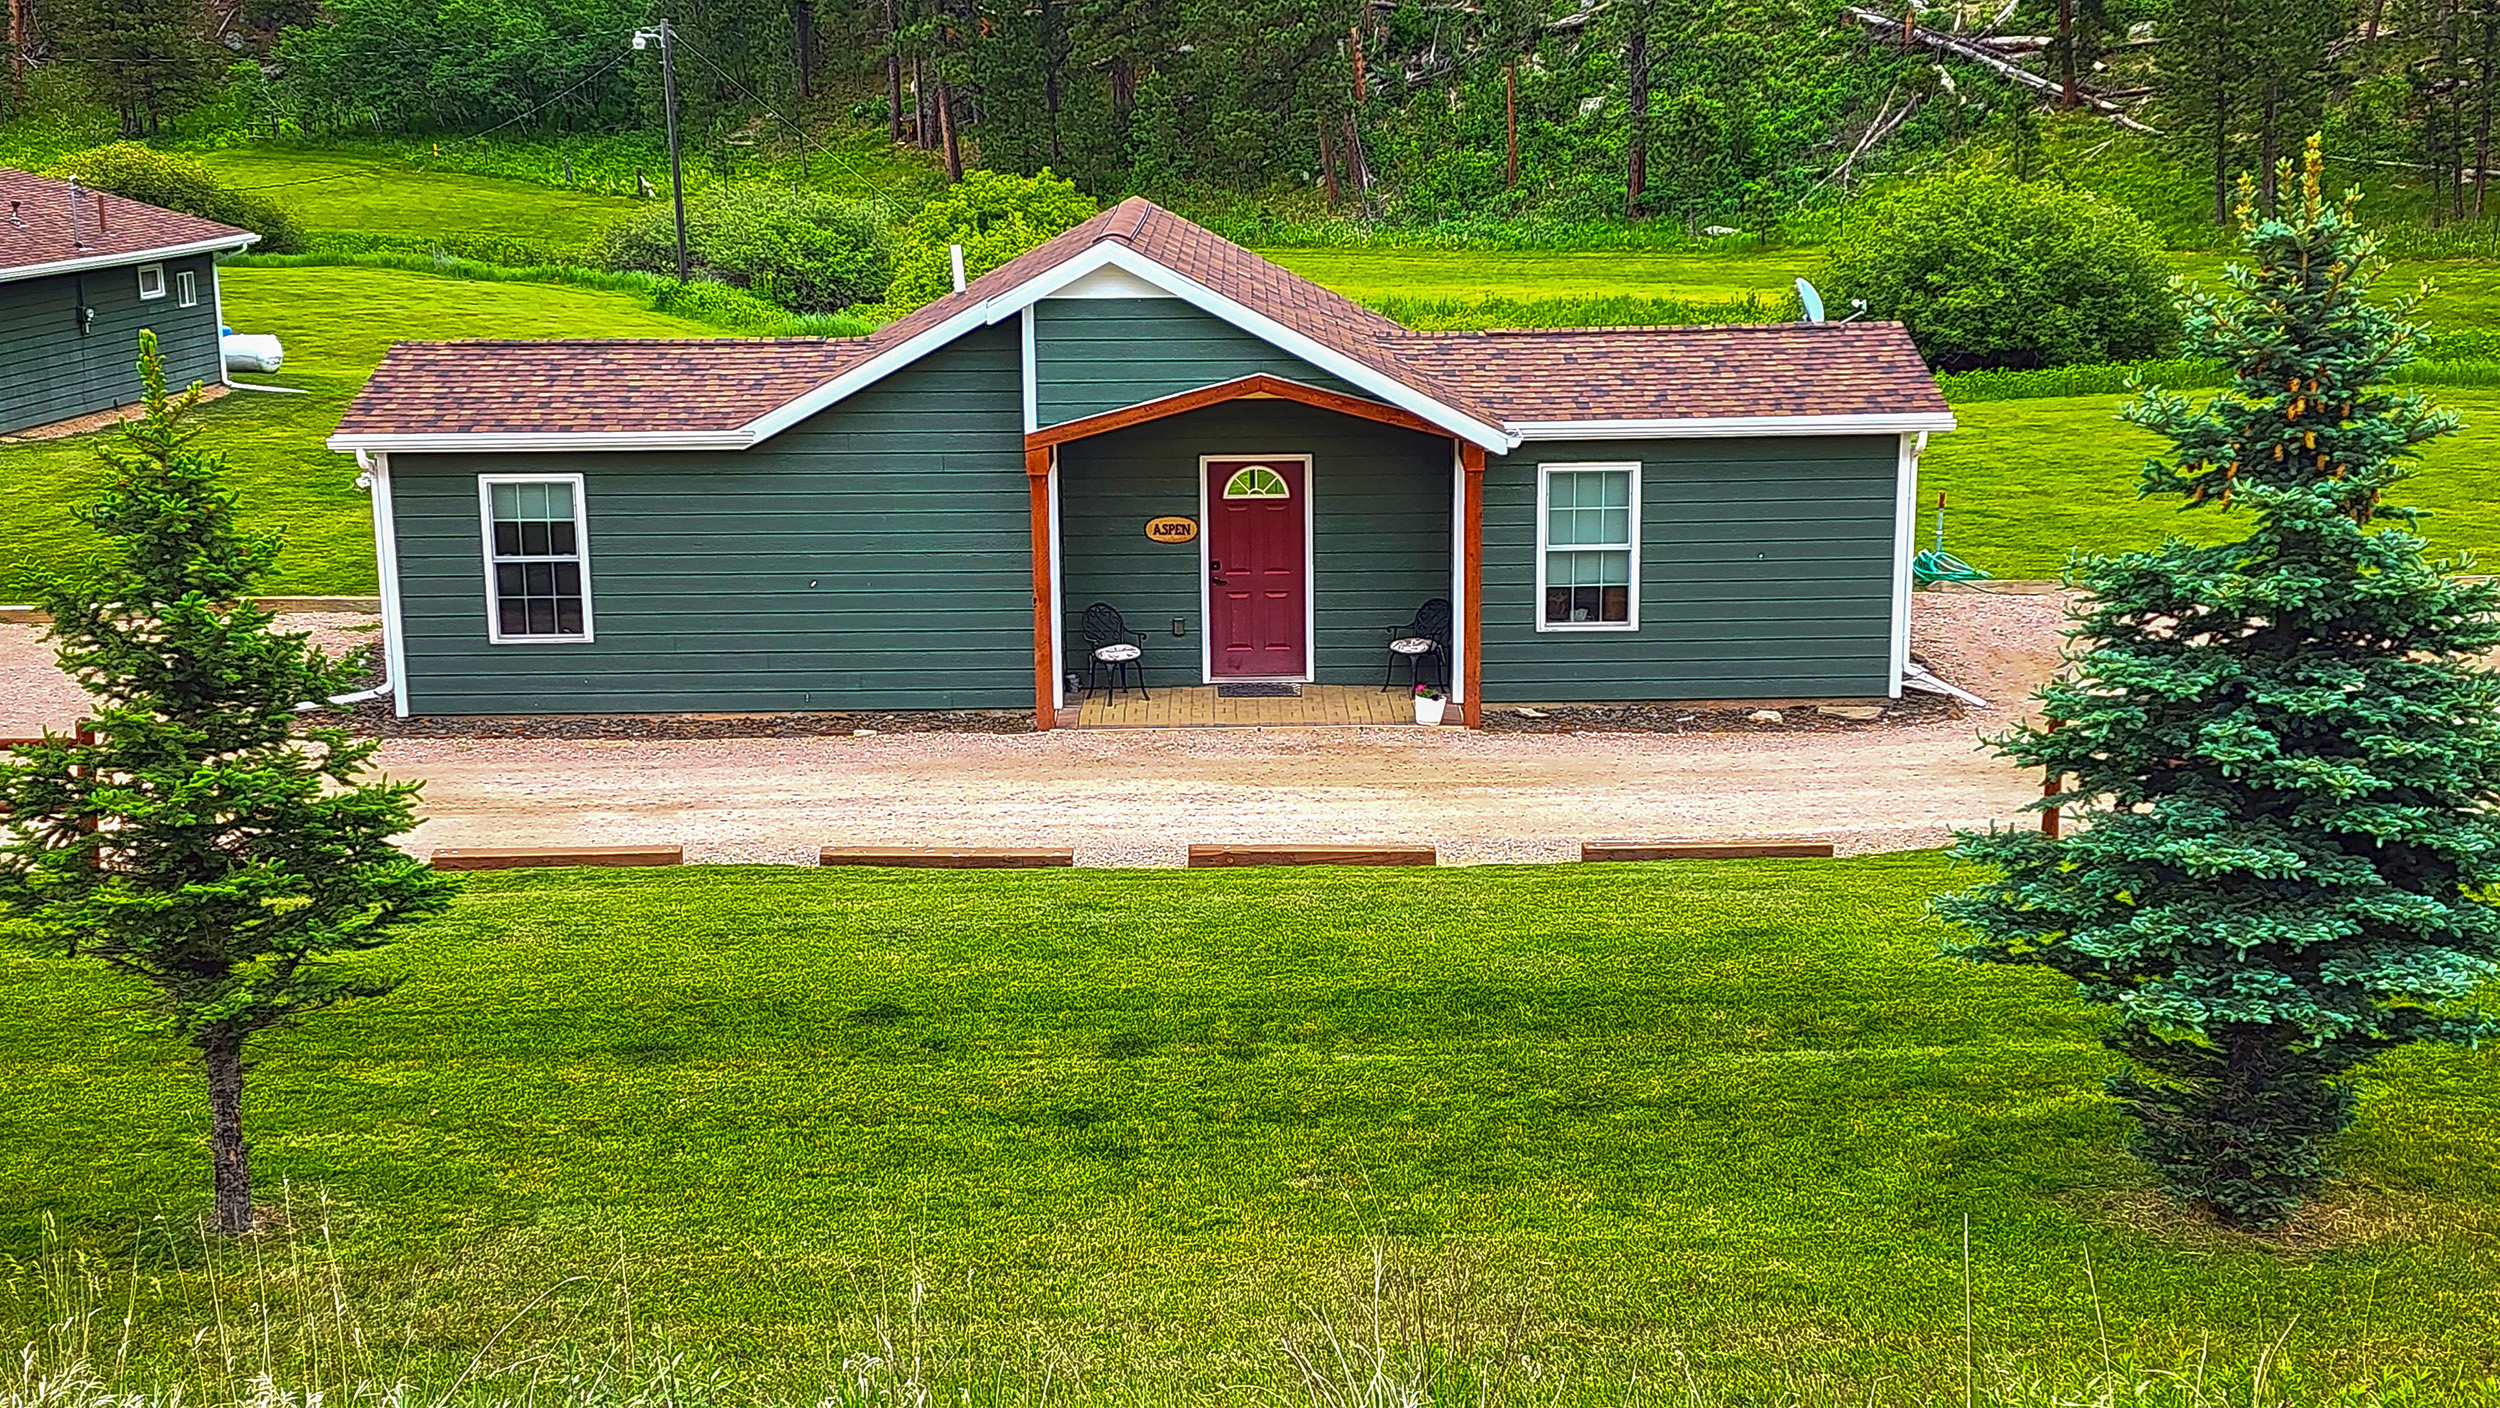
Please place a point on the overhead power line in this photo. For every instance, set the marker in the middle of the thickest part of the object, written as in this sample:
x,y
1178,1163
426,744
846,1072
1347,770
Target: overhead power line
x,y
805,141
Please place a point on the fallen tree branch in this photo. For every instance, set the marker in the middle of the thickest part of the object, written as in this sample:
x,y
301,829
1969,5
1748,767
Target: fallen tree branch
x,y
1961,48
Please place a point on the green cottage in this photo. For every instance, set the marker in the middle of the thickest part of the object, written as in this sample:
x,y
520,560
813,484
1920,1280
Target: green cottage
x,y
81,273
1268,485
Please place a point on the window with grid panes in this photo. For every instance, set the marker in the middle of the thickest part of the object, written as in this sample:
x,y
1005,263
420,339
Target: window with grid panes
x,y
1588,538
539,588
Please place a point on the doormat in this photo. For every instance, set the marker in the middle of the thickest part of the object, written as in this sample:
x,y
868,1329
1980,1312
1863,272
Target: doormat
x,y
1258,689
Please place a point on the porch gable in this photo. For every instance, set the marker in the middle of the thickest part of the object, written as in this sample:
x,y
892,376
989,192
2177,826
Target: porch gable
x,y
1092,355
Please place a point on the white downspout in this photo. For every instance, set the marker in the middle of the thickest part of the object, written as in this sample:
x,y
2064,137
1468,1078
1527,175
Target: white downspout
x,y
375,480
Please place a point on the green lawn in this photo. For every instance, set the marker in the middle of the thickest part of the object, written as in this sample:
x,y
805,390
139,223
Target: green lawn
x,y
1129,1129
357,193
2023,480
336,323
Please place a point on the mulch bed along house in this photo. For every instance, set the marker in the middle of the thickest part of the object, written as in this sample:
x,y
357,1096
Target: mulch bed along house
x,y
1267,484
81,273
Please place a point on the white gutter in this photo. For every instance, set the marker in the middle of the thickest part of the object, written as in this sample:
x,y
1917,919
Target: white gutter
x,y
443,440
1715,427
223,244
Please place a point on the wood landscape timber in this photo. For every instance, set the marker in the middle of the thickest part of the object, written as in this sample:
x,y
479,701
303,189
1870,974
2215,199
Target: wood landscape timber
x,y
528,857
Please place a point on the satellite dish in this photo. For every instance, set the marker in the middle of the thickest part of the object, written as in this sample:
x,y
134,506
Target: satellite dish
x,y
1812,301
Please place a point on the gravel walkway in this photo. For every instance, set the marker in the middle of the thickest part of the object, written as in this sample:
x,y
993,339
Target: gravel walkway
x,y
1140,797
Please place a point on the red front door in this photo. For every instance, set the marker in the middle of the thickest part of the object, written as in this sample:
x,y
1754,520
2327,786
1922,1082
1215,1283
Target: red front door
x,y
1255,580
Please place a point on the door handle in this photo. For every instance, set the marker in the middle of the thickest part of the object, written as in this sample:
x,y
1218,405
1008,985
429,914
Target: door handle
x,y
1215,571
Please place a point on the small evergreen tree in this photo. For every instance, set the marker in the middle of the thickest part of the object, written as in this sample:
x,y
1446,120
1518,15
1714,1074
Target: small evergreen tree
x,y
204,842
2283,756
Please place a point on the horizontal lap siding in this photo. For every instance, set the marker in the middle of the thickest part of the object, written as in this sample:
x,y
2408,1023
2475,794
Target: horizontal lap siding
x,y
1765,572
876,556
49,371
1381,502
1092,355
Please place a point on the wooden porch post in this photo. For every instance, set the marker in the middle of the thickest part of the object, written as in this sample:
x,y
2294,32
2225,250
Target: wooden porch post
x,y
1037,483
1471,571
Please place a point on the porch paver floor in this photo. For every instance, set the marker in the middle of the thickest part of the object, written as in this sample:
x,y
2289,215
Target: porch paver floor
x,y
1198,707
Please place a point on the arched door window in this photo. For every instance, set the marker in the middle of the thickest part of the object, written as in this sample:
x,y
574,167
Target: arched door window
x,y
1257,481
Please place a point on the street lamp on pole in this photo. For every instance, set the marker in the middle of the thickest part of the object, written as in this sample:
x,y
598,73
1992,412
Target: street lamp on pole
x,y
668,101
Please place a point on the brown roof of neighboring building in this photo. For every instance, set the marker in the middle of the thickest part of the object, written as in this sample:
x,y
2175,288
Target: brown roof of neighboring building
x,y
718,385
40,230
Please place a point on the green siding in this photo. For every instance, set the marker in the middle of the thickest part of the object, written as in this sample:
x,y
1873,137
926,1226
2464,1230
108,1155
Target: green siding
x,y
50,371
1092,355
1381,530
876,556
1766,572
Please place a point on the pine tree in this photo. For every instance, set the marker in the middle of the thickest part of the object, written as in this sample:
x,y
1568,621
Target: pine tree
x,y
207,842
2282,753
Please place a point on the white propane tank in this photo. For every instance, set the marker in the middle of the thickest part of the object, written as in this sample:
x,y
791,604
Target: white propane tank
x,y
252,352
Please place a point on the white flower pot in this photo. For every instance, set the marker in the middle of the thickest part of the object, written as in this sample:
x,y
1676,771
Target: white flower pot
x,y
1428,711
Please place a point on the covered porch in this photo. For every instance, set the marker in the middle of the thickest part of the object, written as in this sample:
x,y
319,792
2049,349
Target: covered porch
x,y
1208,706
1258,531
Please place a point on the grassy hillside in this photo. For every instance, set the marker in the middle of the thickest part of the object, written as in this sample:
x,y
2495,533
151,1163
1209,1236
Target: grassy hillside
x,y
343,192
1126,1132
335,324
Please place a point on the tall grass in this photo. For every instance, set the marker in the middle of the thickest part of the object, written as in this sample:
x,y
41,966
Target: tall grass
x,y
721,305
279,1320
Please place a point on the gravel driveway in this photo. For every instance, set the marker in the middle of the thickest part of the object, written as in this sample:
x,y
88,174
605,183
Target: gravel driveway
x,y
1139,797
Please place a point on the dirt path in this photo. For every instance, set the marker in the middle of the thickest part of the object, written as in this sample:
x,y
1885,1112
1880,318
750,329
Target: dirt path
x,y
1139,797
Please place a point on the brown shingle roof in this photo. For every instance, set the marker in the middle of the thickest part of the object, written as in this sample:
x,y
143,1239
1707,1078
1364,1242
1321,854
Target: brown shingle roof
x,y
719,385
1749,369
609,385
37,228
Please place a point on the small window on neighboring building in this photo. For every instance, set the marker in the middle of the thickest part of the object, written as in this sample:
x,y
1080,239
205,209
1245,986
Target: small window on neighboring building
x,y
151,281
186,288
537,558
1257,482
1588,547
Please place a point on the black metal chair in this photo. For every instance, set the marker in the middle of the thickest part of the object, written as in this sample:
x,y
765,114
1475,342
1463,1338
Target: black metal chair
x,y
1110,646
1424,640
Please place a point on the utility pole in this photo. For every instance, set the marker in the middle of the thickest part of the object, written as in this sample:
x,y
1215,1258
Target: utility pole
x,y
1510,119
666,34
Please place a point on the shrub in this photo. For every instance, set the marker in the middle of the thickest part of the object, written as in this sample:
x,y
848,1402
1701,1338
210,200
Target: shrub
x,y
1987,271
807,252
994,216
179,183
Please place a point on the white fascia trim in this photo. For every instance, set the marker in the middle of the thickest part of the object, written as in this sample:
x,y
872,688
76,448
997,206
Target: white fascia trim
x,y
377,469
533,441
217,310
223,244
1031,376
1709,427
1904,551
893,359
1111,254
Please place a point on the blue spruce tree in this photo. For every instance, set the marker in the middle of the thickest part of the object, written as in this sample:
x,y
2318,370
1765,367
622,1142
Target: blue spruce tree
x,y
2282,754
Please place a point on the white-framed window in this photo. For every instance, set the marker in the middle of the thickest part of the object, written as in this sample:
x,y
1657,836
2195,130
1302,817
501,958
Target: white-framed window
x,y
151,281
186,289
537,540
1588,547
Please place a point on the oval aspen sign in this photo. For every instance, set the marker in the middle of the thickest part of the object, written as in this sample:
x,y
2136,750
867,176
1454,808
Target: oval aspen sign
x,y
1172,528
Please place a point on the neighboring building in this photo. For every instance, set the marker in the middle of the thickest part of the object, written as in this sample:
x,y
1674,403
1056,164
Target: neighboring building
x,y
81,272
919,518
